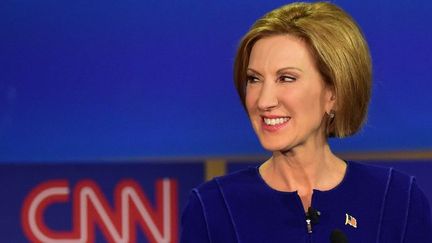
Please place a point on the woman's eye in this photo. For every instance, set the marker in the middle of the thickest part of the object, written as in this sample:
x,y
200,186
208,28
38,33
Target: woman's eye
x,y
286,78
252,79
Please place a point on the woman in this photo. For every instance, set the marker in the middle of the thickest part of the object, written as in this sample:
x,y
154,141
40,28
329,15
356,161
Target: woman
x,y
303,73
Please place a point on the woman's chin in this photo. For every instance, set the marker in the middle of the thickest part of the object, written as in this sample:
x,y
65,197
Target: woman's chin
x,y
275,147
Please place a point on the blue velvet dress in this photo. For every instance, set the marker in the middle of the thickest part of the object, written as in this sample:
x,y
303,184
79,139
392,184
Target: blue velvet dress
x,y
371,204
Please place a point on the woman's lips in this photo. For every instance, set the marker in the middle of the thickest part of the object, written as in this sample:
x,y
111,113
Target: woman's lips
x,y
274,123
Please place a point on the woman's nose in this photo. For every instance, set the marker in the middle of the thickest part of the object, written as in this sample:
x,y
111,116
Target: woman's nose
x,y
267,99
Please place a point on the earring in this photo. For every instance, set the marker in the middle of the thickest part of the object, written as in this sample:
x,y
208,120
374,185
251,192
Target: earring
x,y
331,114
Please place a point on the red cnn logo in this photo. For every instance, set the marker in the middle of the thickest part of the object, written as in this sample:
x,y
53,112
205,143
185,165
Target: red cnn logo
x,y
90,209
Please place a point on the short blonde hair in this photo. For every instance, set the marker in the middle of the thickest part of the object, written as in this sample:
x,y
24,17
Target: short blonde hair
x,y
338,47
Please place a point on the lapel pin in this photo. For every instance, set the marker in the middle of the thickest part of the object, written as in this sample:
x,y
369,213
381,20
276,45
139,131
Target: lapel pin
x,y
350,220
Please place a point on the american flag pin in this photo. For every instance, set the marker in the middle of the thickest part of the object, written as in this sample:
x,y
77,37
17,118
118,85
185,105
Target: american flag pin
x,y
350,220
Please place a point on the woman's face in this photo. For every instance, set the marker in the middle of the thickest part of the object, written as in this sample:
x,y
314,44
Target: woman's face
x,y
286,97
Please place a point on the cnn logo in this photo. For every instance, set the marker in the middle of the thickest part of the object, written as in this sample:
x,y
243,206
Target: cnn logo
x,y
90,209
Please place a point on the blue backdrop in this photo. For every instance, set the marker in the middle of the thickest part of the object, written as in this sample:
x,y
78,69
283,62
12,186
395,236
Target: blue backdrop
x,y
89,80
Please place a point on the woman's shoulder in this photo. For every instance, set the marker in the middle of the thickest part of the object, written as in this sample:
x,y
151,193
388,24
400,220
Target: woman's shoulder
x,y
400,191
372,174
405,208
207,214
244,178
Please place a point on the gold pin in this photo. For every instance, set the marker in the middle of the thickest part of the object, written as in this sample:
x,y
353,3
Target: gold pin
x,y
350,220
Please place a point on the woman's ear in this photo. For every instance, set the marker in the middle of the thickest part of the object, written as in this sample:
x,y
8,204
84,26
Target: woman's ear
x,y
331,101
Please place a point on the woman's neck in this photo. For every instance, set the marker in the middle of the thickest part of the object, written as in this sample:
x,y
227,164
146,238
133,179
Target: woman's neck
x,y
303,170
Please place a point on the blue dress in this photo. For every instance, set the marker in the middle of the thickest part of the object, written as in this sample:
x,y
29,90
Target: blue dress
x,y
371,204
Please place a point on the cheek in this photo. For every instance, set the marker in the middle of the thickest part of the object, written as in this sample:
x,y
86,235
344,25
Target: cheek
x,y
294,100
308,105
250,99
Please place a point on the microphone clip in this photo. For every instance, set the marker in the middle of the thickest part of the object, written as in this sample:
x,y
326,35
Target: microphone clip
x,y
312,218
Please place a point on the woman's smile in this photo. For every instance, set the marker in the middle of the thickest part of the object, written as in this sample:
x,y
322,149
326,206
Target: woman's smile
x,y
274,123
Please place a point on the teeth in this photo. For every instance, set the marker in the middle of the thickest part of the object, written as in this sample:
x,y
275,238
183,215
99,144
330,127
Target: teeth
x,y
275,121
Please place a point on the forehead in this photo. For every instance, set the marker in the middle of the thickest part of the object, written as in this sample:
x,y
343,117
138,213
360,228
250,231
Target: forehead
x,y
279,51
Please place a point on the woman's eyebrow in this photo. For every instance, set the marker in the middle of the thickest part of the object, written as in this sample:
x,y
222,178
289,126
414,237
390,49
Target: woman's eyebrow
x,y
254,71
279,71
288,68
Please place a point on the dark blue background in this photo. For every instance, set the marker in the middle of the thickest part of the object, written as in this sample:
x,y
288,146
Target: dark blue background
x,y
90,80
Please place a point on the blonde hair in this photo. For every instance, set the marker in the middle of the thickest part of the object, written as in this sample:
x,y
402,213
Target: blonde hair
x,y
338,47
